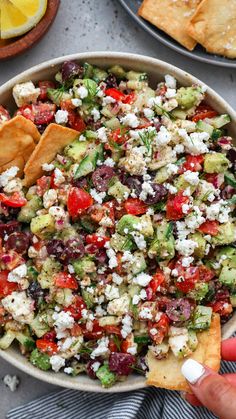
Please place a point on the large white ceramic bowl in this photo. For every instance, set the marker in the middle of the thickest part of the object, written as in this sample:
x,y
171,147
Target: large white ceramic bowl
x,y
156,69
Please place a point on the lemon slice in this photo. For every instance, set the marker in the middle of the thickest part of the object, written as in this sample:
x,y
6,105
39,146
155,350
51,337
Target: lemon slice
x,y
19,16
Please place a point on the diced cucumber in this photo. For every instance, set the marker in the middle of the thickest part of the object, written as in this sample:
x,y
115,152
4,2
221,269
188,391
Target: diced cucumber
x,y
204,127
118,71
219,121
7,339
233,300
88,164
113,123
38,326
76,150
106,377
57,95
40,360
26,341
88,298
134,75
178,114
88,71
201,318
99,74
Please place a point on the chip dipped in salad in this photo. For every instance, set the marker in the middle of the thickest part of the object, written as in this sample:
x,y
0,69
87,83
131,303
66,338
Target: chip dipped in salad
x,y
118,238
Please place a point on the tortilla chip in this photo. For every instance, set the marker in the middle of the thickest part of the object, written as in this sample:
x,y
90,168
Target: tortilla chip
x,y
166,373
53,140
171,17
18,138
214,26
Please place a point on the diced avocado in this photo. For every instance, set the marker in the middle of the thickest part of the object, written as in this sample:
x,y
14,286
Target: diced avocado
x,y
199,251
84,266
201,318
137,264
134,75
88,71
228,276
88,164
202,126
162,246
106,377
119,191
57,95
215,163
199,292
26,341
161,175
43,226
39,326
127,222
227,256
220,121
76,150
146,227
230,179
63,296
121,243
225,235
99,74
7,339
29,210
233,300
118,71
68,233
179,114
89,84
192,340
187,97
109,321
133,290
181,184
88,298
112,123
49,268
40,360
90,135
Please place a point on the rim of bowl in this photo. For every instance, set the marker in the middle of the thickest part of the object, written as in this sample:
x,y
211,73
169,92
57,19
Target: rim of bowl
x,y
133,382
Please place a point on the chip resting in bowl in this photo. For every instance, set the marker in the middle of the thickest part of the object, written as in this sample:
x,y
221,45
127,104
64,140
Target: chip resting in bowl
x,y
118,237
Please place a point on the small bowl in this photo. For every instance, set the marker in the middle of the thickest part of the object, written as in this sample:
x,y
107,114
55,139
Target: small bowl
x,y
156,70
9,48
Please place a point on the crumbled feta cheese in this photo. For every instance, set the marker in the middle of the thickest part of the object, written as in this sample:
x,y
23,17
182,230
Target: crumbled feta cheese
x,y
109,162
76,102
132,350
98,196
95,366
117,279
186,262
11,381
195,219
82,137
218,211
82,92
47,167
57,362
99,311
19,306
146,190
66,344
61,117
172,189
185,247
172,169
18,275
139,240
112,258
187,191
142,279
68,370
8,175
58,177
95,114
102,348
126,326
145,313
25,93
175,273
154,101
62,321
49,198
130,120
170,93
191,177
194,143
179,149
107,100
143,294
148,113
136,299
14,185
111,292
119,306
102,134
163,137
170,81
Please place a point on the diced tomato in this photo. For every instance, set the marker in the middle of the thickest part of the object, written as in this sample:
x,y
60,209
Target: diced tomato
x,y
78,201
43,184
50,335
161,91
46,346
157,280
105,210
44,86
222,307
11,260
76,330
118,136
4,115
65,280
6,287
205,273
14,201
158,330
76,308
76,122
67,105
174,206
96,332
125,345
40,113
130,98
192,163
135,206
144,123
112,330
187,278
209,227
204,111
112,346
115,94
119,268
98,241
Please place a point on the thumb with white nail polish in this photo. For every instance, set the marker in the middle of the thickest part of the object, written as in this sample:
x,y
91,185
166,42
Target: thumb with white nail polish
x,y
213,390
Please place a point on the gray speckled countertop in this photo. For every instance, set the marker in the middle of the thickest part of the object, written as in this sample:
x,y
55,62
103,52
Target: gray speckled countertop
x,y
93,25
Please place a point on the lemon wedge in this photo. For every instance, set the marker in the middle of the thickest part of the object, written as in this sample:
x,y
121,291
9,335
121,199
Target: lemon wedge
x,y
19,16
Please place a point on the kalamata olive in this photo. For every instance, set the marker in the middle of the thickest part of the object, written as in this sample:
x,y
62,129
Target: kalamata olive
x,y
80,183
227,192
35,292
135,184
70,69
121,363
141,365
160,193
89,369
231,155
101,177
55,247
8,228
111,81
74,249
224,142
17,241
101,256
178,310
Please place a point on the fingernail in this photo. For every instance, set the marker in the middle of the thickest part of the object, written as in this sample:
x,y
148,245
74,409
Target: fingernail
x,y
192,370
183,395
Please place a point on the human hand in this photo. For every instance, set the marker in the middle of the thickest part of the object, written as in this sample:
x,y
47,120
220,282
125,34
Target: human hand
x,y
214,391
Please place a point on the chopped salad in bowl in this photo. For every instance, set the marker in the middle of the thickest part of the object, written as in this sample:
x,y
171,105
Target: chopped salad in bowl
x,y
123,240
